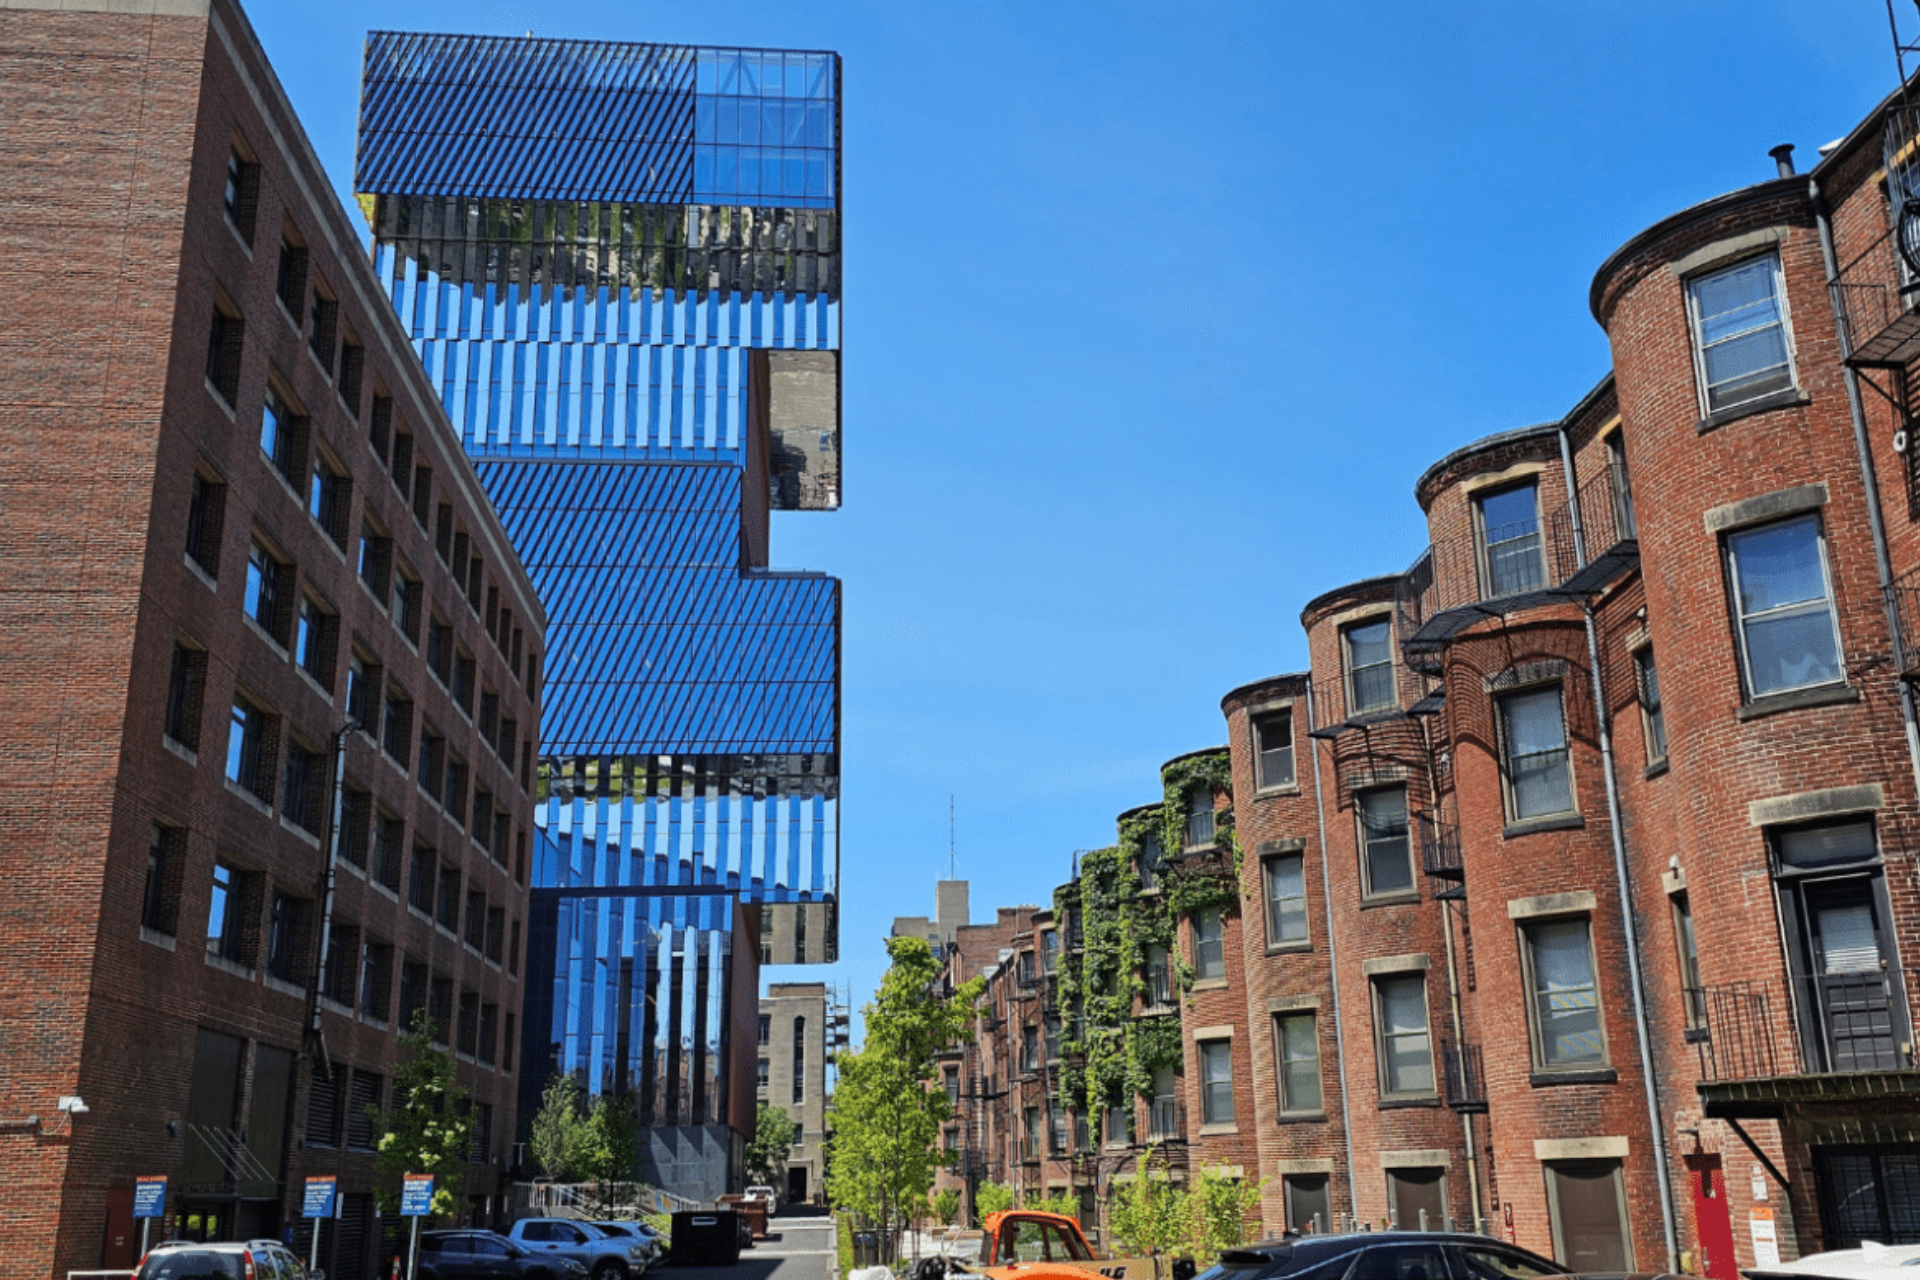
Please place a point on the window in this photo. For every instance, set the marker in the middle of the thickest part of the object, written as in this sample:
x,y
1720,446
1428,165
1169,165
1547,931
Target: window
x,y
186,682
420,879
413,991
376,968
402,469
431,763
1273,749
1835,907
1307,1206
389,834
489,1031
300,800
353,365
283,941
1563,1002
314,641
1368,653
1199,817
375,560
396,725
763,1072
1216,1081
1508,523
1159,977
226,334
356,824
329,499
290,282
380,427
1296,1046
440,650
447,899
407,606
269,592
766,1028
283,437
1652,722
226,912
1693,998
206,515
364,677
1783,607
440,1008
242,193
252,737
1401,1041
467,1039
320,329
1533,739
160,903
1284,876
1586,1199
454,798
799,1059
1209,943
1386,855
462,687
496,939
1620,487
1740,340
1150,855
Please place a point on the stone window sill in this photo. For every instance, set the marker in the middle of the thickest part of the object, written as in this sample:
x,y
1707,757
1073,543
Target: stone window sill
x,y
1548,1079
1398,898
1790,398
1302,1117
1533,826
1303,947
1215,1130
1799,699
1658,768
1421,1100
153,937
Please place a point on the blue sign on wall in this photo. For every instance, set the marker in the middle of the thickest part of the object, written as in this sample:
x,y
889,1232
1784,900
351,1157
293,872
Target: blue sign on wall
x,y
416,1195
150,1198
319,1201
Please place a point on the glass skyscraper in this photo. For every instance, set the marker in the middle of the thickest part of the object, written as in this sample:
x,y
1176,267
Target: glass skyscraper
x,y
620,264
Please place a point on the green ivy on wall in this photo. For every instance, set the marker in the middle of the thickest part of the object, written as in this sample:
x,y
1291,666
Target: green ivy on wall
x,y
1108,1050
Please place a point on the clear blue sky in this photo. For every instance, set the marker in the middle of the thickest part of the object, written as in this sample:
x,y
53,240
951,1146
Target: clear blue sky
x,y
1154,313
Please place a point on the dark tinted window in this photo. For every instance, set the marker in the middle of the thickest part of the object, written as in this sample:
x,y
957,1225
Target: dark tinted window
x,y
192,1264
1423,1261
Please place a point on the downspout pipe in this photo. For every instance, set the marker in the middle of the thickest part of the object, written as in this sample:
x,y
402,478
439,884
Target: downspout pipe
x,y
1333,969
1642,1029
331,842
1882,558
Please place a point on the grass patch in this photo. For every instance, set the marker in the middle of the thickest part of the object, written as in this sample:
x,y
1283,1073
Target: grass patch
x,y
844,1231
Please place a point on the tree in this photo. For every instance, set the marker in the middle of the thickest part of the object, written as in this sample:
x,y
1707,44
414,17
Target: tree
x,y
886,1112
1060,1202
991,1198
1216,1212
613,1137
946,1205
772,1139
429,1129
555,1140
1148,1215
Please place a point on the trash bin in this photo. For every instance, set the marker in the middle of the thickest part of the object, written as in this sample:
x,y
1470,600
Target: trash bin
x,y
706,1238
866,1249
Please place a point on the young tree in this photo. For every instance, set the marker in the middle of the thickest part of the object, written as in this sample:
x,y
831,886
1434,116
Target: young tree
x,y
611,1140
428,1130
991,1198
1216,1213
1060,1202
555,1140
886,1112
946,1205
1148,1215
772,1139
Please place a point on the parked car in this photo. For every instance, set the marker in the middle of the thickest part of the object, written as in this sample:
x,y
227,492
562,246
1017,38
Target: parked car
x,y
607,1257
229,1260
1401,1255
764,1192
448,1254
1871,1261
637,1230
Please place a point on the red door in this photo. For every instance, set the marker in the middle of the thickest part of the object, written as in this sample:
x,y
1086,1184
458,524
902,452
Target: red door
x,y
1712,1224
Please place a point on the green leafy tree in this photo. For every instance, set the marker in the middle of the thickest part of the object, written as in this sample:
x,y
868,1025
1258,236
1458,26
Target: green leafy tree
x,y
428,1130
886,1112
1148,1216
1059,1202
616,1138
946,1205
555,1140
992,1197
772,1139
1216,1213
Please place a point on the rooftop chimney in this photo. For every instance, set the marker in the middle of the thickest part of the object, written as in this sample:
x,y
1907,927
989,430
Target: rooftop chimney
x,y
1783,159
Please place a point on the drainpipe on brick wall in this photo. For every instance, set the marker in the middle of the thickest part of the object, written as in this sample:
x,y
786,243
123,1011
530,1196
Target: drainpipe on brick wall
x,y
330,841
1642,1029
1333,974
1883,561
1453,997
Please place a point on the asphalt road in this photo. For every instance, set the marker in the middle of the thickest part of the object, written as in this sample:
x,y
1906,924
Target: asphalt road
x,y
800,1245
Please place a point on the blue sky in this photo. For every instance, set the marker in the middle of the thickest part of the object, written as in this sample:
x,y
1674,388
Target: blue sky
x,y
1154,313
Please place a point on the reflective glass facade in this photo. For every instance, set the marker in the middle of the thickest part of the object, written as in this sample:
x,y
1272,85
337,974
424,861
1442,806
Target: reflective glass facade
x,y
620,264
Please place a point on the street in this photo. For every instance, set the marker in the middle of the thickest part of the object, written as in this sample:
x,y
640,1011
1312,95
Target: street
x,y
800,1245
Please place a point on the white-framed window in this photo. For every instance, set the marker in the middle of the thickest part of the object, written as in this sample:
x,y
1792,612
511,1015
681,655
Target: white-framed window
x,y
1563,998
1386,854
1209,943
1401,1040
1533,742
1507,522
1284,877
1783,607
1200,821
1296,1045
1216,1081
1367,648
1273,749
1742,342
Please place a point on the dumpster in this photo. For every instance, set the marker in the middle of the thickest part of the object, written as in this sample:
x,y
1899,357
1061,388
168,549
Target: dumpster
x,y
753,1209
706,1237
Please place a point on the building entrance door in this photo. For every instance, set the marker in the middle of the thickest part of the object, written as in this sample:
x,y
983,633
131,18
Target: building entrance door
x,y
1848,990
1712,1223
796,1184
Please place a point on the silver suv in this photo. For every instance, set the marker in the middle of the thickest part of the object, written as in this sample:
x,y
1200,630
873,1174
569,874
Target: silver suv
x,y
231,1260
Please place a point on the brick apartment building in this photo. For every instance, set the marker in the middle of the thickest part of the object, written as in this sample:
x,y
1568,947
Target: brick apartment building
x,y
246,557
1576,875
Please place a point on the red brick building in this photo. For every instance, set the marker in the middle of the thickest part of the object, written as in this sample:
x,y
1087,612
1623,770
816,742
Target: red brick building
x,y
246,556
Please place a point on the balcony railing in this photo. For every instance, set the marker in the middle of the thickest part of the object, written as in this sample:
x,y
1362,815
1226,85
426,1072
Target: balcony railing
x,y
1440,850
1846,1023
1871,292
1167,1120
1906,601
1465,1074
1159,987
